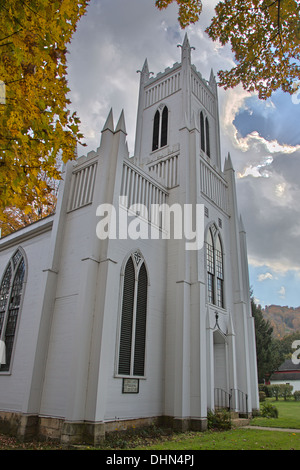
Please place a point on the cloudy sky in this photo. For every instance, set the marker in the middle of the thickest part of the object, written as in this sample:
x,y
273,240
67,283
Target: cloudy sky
x,y
263,137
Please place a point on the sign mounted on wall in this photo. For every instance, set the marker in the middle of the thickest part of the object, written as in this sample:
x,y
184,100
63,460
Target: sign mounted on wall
x,y
130,386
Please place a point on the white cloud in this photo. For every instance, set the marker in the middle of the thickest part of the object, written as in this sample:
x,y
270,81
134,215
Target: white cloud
x,y
263,277
281,292
110,45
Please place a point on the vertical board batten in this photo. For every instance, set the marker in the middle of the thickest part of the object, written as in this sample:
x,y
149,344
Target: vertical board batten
x,y
82,189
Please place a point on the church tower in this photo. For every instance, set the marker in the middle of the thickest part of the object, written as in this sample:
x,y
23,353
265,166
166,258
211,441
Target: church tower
x,y
208,314
137,309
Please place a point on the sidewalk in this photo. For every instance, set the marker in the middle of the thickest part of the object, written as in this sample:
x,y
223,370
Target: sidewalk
x,y
265,428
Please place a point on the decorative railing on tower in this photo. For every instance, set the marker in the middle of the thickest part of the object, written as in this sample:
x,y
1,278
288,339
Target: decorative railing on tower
x,y
202,92
82,186
166,171
161,90
213,186
142,190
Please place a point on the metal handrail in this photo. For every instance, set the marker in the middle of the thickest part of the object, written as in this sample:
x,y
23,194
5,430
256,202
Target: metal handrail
x,y
236,400
239,400
222,398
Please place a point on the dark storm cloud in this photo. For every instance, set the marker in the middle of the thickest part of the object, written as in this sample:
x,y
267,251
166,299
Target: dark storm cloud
x,y
111,44
277,118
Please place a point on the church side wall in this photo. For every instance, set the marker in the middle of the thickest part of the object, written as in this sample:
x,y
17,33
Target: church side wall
x,y
148,402
15,385
61,348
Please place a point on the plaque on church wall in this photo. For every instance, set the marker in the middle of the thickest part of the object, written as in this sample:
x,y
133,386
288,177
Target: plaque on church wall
x,y
130,386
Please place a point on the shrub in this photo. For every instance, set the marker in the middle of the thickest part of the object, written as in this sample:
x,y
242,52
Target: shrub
x,y
286,390
218,419
268,410
274,391
262,396
297,395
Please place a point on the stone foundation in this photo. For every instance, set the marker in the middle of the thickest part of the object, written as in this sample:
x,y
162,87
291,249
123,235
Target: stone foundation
x,y
28,427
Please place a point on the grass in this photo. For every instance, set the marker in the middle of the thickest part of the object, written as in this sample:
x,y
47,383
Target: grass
x,y
234,439
288,415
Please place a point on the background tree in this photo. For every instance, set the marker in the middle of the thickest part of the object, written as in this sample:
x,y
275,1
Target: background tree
x,y
189,10
284,345
35,123
269,357
264,36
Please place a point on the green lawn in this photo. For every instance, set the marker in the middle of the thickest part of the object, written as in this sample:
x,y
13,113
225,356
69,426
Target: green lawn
x,y
288,415
244,439
234,439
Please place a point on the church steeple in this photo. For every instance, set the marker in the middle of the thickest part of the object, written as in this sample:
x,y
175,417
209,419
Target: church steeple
x,y
186,90
186,51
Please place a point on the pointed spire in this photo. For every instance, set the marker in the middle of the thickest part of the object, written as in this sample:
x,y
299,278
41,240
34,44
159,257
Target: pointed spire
x,y
121,123
109,124
186,49
145,68
212,80
228,163
145,74
186,42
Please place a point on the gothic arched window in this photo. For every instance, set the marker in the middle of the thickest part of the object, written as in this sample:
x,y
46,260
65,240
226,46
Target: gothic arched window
x,y
202,132
215,268
160,128
219,272
133,319
11,290
164,127
156,131
210,262
207,137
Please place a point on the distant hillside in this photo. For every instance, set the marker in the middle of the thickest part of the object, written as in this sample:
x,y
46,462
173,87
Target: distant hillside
x,y
284,320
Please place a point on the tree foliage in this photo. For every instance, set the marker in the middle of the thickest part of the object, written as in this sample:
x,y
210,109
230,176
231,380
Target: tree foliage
x,y
269,358
264,36
35,123
284,345
189,10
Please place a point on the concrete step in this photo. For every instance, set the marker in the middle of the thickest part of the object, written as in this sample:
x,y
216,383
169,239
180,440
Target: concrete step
x,y
239,422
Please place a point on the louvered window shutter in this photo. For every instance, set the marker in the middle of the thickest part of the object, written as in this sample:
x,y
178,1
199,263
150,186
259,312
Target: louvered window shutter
x,y
155,131
164,127
133,321
207,137
127,319
202,132
140,329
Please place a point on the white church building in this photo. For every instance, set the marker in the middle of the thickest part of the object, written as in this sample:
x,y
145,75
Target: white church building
x,y
130,304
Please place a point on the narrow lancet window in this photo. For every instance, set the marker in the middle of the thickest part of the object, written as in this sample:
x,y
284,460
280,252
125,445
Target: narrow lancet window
x,y
202,132
133,318
155,131
164,127
219,273
215,269
210,268
160,129
207,137
11,290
